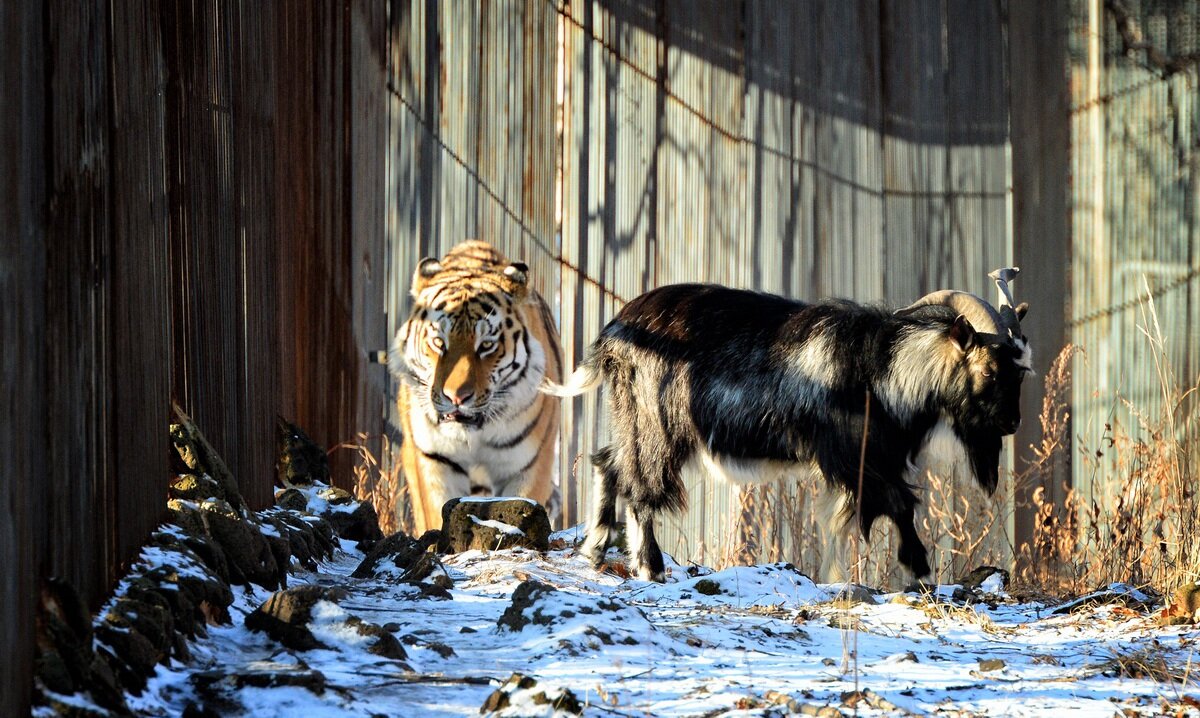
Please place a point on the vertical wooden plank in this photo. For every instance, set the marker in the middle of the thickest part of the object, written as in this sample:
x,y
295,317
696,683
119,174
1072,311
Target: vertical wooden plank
x,y
368,154
77,488
251,44
205,213
139,295
1041,150
22,371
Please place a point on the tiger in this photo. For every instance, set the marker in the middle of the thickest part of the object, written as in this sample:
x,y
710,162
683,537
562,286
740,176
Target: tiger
x,y
469,359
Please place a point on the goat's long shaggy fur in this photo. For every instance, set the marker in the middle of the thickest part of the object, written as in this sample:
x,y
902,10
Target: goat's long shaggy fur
x,y
750,385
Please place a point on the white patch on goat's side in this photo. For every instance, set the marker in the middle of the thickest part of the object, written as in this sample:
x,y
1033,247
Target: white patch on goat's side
x,y
813,364
922,365
741,471
943,453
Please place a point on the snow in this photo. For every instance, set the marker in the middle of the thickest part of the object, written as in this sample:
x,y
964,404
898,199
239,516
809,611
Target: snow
x,y
498,525
753,637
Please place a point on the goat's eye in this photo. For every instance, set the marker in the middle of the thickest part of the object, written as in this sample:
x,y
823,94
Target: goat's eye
x,y
437,344
987,374
486,346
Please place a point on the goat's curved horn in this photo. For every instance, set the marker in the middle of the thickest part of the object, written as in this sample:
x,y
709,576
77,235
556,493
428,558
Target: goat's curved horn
x,y
983,316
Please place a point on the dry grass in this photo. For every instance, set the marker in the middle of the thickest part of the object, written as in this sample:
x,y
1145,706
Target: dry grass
x,y
1136,521
378,479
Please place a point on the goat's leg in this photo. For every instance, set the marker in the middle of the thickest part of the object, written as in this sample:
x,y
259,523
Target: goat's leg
x,y
912,552
645,556
604,520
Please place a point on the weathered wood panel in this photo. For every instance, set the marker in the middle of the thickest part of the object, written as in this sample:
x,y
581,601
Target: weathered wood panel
x,y
22,360
1041,235
196,212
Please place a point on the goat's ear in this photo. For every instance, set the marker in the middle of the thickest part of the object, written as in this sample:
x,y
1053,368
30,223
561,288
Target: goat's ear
x,y
1021,309
426,269
963,333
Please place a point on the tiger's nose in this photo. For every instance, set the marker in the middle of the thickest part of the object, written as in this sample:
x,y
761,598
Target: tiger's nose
x,y
459,396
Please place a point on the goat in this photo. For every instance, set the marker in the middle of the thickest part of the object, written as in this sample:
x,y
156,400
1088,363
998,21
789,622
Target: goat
x,y
753,386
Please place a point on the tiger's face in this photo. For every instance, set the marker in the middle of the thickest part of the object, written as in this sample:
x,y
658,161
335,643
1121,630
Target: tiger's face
x,y
466,347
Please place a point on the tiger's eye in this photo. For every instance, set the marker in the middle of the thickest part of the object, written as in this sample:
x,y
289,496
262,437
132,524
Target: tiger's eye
x,y
487,345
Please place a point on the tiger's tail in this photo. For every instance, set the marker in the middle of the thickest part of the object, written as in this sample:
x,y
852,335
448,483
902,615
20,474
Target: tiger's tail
x,y
584,379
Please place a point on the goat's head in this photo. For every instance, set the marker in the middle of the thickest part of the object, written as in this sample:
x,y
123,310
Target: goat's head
x,y
994,351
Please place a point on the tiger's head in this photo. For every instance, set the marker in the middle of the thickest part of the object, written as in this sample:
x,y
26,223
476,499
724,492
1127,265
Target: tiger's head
x,y
465,349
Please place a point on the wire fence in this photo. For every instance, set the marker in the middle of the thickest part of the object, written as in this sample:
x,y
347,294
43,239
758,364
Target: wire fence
x,y
1135,287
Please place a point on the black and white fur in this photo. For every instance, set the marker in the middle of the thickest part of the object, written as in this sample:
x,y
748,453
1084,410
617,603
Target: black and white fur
x,y
753,385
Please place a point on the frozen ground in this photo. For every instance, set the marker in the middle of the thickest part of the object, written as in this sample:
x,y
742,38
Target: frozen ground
x,y
750,641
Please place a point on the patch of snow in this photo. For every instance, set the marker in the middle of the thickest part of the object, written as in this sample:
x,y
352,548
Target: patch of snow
x,y
993,584
500,526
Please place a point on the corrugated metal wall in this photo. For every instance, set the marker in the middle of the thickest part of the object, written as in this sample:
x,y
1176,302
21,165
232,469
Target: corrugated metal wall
x,y
817,149
1135,195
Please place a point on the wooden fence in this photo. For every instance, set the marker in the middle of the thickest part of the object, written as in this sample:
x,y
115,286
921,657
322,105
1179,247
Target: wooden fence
x,y
193,211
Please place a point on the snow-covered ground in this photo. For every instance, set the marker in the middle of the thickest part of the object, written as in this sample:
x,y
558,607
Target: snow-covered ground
x,y
748,641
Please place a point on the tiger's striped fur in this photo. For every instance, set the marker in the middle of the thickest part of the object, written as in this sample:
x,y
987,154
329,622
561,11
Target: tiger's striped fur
x,y
471,355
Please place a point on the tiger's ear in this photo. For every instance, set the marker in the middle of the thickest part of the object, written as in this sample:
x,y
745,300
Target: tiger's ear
x,y
426,269
517,274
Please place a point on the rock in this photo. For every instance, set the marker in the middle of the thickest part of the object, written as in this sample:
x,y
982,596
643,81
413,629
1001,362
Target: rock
x,y
301,462
402,557
250,556
521,696
853,594
524,598
983,583
133,655
977,580
386,645
194,487
285,615
306,539
217,690
1118,594
65,662
991,664
493,524
292,499
361,524
199,457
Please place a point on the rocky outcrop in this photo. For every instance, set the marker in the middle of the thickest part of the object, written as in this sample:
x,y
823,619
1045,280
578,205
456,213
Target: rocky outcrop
x,y
301,462
521,695
493,524
181,582
403,558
